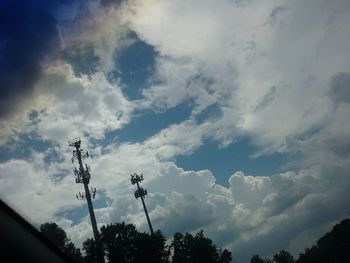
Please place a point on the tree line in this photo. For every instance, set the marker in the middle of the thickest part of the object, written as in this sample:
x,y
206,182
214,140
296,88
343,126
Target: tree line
x,y
333,247
123,243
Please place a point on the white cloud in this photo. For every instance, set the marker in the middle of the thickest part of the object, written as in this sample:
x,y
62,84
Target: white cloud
x,y
35,189
241,217
270,74
250,212
89,105
77,233
104,28
264,69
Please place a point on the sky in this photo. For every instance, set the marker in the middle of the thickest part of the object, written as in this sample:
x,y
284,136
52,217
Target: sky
x,y
235,111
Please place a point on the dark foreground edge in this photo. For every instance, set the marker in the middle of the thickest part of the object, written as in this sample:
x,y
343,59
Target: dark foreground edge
x,y
21,242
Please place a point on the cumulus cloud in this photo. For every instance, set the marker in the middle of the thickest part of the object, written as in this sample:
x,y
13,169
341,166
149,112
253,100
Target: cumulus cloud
x,y
274,211
80,32
88,105
34,188
278,76
64,104
225,55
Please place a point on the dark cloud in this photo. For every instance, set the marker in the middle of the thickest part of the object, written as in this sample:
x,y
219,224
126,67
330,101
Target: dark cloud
x,y
267,99
275,16
108,3
340,88
82,57
28,33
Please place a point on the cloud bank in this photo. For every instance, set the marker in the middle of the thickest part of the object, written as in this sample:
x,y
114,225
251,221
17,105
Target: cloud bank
x,y
275,72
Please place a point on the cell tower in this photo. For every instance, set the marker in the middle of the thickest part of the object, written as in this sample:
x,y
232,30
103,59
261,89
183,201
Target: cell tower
x,y
82,176
140,192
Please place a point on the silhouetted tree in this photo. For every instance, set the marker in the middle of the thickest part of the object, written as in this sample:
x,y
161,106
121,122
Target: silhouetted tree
x,y
119,242
73,252
257,259
55,234
311,255
59,238
283,257
123,243
152,248
198,248
91,251
224,255
332,247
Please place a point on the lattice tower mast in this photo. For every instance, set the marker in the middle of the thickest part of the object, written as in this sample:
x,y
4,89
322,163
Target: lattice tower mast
x,y
82,176
140,192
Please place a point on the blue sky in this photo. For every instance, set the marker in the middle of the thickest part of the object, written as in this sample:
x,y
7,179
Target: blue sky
x,y
223,162
135,67
239,122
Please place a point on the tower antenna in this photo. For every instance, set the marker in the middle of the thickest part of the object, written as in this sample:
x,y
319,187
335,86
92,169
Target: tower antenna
x,y
82,176
140,192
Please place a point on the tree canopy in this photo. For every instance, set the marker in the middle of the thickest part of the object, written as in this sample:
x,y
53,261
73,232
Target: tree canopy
x,y
283,257
258,259
55,234
197,249
59,238
332,247
123,243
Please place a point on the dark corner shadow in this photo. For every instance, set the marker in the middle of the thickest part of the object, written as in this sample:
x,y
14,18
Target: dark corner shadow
x,y
21,242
